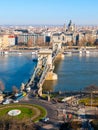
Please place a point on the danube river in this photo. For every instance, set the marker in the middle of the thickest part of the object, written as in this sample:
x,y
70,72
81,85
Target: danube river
x,y
15,69
75,72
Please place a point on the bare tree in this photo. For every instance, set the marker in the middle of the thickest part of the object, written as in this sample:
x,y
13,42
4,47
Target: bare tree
x,y
90,40
2,87
40,40
70,43
15,124
82,41
15,89
91,89
29,43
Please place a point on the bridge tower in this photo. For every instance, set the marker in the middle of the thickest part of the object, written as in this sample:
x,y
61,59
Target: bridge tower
x,y
58,50
57,46
46,55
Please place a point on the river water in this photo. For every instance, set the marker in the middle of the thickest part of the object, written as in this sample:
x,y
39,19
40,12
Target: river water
x,y
75,72
15,69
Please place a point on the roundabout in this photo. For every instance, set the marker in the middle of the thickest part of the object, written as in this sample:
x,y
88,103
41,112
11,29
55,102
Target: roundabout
x,y
23,112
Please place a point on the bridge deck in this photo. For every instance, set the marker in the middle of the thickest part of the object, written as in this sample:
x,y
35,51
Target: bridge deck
x,y
40,72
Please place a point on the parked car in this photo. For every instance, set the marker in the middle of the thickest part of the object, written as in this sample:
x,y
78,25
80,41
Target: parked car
x,y
15,101
46,119
6,102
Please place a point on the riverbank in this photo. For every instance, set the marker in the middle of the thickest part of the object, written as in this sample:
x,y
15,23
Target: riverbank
x,y
66,50
19,52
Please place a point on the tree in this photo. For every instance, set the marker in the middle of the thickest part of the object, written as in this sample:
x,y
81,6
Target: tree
x,y
40,40
82,41
91,89
90,40
70,43
15,89
2,87
29,43
15,124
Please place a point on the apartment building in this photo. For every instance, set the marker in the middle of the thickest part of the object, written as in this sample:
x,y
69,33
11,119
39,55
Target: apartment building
x,y
6,40
11,40
31,39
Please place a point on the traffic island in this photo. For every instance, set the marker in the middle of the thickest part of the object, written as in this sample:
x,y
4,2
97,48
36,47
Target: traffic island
x,y
26,112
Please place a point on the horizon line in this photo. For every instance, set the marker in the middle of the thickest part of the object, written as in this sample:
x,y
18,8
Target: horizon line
x,y
46,24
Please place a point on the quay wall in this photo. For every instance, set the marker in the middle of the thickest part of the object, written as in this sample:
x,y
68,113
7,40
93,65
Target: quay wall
x,y
17,52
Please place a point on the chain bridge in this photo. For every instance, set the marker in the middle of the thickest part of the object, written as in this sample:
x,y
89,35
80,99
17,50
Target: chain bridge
x,y
44,69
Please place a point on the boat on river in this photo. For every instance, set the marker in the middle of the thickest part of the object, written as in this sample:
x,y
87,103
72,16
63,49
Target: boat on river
x,y
67,53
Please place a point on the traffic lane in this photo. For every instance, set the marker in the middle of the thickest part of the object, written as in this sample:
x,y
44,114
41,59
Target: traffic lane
x,y
51,108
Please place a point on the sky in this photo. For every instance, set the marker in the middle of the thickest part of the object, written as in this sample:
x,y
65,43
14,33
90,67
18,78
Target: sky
x,y
55,12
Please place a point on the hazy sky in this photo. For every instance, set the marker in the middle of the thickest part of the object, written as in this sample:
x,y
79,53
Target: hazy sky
x,y
48,11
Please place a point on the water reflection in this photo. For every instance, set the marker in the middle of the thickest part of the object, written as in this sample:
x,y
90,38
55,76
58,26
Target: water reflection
x,y
77,72
57,64
15,69
49,85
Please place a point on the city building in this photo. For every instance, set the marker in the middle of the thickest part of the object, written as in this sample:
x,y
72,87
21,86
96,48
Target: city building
x,y
6,40
71,27
11,40
68,36
46,35
1,40
31,39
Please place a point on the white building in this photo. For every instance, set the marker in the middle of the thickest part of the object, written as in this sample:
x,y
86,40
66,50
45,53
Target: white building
x,y
11,40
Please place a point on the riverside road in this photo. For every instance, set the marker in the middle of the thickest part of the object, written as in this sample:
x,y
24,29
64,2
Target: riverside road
x,y
56,112
51,108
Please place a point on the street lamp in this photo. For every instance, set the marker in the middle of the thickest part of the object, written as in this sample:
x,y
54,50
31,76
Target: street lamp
x,y
91,99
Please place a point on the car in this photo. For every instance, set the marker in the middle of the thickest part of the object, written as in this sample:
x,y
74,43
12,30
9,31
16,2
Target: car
x,y
6,102
15,101
24,94
46,119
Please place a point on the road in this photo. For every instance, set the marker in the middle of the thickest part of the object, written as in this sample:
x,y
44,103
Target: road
x,y
53,110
